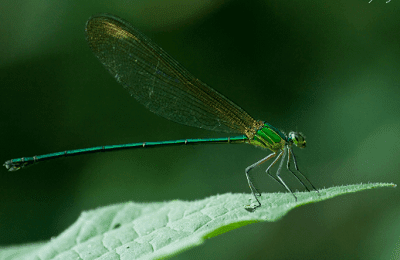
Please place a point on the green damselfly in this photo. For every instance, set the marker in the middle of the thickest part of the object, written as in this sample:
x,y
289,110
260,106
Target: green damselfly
x,y
167,89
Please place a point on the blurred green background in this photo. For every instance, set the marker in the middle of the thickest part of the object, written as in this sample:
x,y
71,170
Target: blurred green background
x,y
329,69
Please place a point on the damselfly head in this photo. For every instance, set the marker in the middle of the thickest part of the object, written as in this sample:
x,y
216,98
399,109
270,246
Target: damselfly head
x,y
297,139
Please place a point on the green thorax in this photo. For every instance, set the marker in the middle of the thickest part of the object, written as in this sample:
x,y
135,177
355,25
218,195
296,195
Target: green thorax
x,y
269,137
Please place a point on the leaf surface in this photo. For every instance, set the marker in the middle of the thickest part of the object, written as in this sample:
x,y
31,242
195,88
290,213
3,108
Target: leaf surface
x,y
163,229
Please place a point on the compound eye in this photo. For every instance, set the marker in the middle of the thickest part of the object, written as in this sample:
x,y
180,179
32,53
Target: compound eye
x,y
298,139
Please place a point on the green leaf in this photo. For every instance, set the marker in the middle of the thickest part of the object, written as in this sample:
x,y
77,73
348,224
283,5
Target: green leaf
x,y
161,230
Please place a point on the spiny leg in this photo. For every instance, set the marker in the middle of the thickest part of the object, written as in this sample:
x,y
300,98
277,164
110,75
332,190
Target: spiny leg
x,y
297,169
279,171
288,167
251,185
269,173
248,169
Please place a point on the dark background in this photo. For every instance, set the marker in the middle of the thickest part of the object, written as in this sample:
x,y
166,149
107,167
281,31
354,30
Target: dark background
x,y
329,69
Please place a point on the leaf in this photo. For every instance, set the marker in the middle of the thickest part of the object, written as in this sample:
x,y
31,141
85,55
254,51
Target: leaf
x,y
161,230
